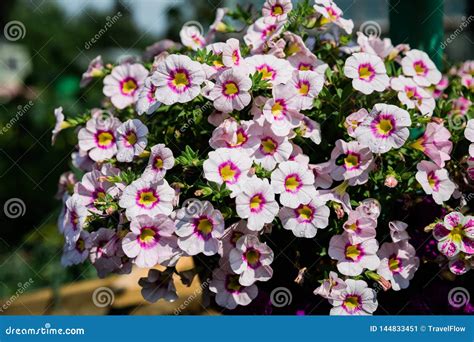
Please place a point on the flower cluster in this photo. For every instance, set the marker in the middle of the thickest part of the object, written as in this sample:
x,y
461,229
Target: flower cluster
x,y
285,137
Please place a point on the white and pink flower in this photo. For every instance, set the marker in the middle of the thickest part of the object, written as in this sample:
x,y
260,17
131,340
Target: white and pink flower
x,y
274,70
199,226
98,138
435,181
351,161
122,85
417,64
295,184
355,299
231,91
278,9
178,79
161,160
151,241
384,128
256,203
131,140
251,259
455,234
147,197
229,167
398,263
272,149
306,219
412,95
353,258
367,71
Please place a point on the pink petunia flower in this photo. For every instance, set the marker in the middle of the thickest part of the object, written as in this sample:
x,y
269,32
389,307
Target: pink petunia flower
x,y
151,241
131,140
355,299
417,64
353,258
251,259
294,182
367,71
161,160
384,128
351,161
435,143
435,181
147,197
178,79
99,136
455,234
198,228
398,263
231,91
256,203
229,167
123,83
306,219
412,95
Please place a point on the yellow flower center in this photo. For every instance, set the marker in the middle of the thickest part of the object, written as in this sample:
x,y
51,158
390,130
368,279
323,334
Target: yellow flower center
x,y
129,86
231,88
394,264
233,283
351,161
277,10
252,256
158,163
204,225
267,73
147,235
292,183
268,146
180,80
147,198
385,126
304,89
352,252
105,139
457,234
227,173
351,302
256,201
305,212
131,138
365,73
420,68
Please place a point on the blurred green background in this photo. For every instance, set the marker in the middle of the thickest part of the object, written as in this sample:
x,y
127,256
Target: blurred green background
x,y
45,65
